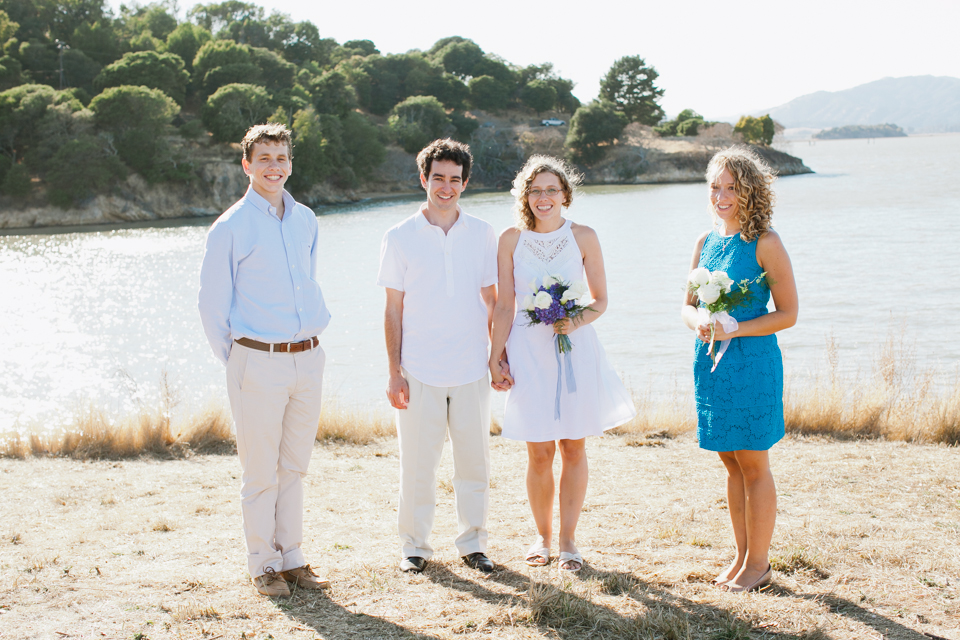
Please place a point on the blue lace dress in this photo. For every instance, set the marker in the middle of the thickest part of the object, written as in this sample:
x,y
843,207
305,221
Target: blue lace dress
x,y
740,405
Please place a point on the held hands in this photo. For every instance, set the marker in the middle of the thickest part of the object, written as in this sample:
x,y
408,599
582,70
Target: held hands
x,y
500,378
398,391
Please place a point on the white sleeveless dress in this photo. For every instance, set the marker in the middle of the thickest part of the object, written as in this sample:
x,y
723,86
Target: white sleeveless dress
x,y
599,401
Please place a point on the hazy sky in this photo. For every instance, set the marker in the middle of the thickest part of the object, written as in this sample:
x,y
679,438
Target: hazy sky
x,y
721,59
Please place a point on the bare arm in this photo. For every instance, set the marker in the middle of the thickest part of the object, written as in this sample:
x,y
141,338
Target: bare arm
x,y
506,308
688,312
596,274
398,391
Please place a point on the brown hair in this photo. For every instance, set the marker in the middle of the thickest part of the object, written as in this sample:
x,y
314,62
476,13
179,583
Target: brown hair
x,y
270,132
753,181
569,180
445,149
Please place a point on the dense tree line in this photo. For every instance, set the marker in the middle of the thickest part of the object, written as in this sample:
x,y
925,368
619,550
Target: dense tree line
x,y
87,96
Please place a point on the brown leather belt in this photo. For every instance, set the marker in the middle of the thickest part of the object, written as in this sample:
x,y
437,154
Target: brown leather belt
x,y
281,347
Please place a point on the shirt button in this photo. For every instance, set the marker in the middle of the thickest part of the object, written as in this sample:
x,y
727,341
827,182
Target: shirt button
x,y
298,288
301,308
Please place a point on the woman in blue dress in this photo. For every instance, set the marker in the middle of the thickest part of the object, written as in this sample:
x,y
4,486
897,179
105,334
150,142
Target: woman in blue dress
x,y
740,402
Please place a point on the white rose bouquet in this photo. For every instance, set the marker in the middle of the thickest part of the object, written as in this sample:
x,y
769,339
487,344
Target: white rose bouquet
x,y
718,297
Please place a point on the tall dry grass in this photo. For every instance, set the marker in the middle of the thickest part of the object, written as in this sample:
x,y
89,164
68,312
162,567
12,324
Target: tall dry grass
x,y
896,401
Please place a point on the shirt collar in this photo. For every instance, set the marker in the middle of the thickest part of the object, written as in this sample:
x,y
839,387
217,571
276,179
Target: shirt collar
x,y
421,221
265,207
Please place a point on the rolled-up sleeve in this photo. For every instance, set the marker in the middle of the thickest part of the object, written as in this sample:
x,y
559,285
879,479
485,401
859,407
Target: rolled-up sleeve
x,y
217,272
392,264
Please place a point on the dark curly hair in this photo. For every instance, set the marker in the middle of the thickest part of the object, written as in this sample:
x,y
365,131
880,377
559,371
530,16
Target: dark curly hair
x,y
445,149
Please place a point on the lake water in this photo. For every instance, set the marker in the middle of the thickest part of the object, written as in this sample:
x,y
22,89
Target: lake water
x,y
97,316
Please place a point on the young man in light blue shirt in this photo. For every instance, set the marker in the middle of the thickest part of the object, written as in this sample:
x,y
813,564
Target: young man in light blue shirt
x,y
262,310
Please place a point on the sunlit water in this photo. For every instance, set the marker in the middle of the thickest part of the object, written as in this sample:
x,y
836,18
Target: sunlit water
x,y
97,316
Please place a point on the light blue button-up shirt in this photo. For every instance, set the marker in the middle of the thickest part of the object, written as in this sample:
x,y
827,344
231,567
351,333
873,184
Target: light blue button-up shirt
x,y
258,278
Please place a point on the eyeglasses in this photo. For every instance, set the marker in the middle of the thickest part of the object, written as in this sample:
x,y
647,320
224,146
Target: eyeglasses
x,y
536,193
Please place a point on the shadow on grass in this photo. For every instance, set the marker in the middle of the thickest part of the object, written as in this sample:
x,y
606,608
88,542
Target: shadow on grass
x,y
315,611
558,610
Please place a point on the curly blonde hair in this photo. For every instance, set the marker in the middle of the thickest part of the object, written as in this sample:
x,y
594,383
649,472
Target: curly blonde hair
x,y
569,180
753,181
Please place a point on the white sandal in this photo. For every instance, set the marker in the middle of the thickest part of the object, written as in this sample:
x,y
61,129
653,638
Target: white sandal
x,y
538,555
566,557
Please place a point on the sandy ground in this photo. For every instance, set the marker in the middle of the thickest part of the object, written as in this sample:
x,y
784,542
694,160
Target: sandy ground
x,y
867,546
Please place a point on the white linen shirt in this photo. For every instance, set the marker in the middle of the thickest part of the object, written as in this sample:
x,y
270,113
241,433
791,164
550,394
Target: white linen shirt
x,y
258,278
444,341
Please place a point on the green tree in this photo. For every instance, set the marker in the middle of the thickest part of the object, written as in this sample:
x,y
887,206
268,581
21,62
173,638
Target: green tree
x,y
629,84
488,93
136,118
460,58
769,129
362,147
233,109
592,128
40,62
332,93
7,27
11,73
418,120
216,16
317,140
163,71
755,130
17,183
221,62
21,109
81,168
98,40
538,95
186,40
275,72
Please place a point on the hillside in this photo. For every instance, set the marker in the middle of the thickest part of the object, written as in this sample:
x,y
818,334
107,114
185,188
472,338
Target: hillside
x,y
918,104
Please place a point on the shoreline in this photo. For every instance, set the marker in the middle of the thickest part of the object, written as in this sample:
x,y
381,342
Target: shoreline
x,y
136,204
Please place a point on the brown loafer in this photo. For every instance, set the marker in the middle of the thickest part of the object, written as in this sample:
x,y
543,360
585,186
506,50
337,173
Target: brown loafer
x,y
271,584
305,578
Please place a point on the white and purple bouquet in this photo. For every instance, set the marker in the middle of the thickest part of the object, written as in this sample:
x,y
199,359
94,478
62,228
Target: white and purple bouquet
x,y
716,292
555,300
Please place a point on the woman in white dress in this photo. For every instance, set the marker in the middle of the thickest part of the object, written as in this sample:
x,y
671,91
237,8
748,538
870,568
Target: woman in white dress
x,y
552,399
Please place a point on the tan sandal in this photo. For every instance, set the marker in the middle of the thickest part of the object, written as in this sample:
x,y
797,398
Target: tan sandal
x,y
569,558
538,555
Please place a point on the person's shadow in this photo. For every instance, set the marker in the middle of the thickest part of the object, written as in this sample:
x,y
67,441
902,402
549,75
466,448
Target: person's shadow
x,y
560,612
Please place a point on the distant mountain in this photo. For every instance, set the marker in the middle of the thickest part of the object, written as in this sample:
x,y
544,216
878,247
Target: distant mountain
x,y
919,104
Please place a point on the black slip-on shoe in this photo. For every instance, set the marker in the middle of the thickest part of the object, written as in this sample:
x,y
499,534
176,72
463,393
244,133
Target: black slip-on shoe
x,y
413,564
479,561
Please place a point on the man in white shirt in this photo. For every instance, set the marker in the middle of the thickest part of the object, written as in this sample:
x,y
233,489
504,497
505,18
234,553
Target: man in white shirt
x,y
439,269
262,310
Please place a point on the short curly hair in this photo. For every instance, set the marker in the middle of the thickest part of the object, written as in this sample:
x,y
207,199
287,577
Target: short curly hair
x,y
569,178
265,133
753,180
445,149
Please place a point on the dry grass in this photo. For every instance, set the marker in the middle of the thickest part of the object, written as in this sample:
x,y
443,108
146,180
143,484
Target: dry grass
x,y
867,546
896,402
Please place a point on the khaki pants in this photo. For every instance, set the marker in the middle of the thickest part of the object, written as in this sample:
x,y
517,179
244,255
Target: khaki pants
x,y
275,400
430,412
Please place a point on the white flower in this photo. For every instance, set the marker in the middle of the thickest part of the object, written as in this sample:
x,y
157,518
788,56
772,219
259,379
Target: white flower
x,y
577,290
528,302
533,285
549,281
722,280
699,276
542,300
708,293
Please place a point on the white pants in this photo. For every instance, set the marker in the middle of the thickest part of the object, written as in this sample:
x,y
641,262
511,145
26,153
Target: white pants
x,y
275,400
421,427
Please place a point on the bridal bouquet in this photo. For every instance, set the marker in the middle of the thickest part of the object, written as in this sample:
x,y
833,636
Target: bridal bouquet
x,y
555,300
716,292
